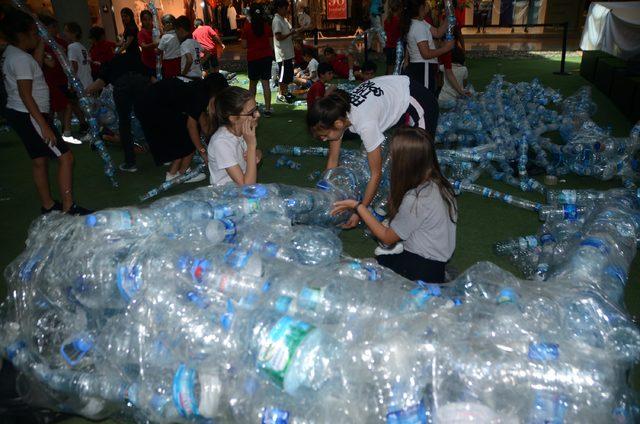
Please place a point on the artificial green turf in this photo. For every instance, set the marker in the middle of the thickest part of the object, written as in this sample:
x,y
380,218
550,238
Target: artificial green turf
x,y
482,222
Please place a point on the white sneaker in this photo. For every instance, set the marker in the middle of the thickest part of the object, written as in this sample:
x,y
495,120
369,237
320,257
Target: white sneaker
x,y
71,139
390,250
168,176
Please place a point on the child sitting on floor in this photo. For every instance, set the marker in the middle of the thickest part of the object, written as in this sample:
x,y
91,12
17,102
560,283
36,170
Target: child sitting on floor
x,y
319,88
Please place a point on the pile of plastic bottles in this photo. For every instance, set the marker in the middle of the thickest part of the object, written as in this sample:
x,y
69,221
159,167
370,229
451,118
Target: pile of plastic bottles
x,y
210,305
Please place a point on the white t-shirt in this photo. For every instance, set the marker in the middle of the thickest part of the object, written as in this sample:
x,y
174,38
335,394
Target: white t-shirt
x,y
304,20
225,150
312,67
79,54
192,47
20,65
232,15
284,48
169,45
418,32
449,93
377,105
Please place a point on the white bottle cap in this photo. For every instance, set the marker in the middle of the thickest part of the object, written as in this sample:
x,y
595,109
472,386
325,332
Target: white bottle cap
x,y
210,390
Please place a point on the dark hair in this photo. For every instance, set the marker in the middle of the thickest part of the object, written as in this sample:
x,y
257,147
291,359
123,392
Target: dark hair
x,y
14,22
258,19
74,28
394,7
213,84
229,102
168,19
198,22
414,162
277,4
327,110
128,12
96,33
47,20
411,9
182,22
328,50
324,67
309,51
369,66
146,12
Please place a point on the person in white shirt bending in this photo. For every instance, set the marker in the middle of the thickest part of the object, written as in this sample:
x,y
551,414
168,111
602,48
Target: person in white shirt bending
x,y
233,155
369,110
189,50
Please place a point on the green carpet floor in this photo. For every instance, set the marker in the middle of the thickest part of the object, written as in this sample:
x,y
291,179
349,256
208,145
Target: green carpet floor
x,y
481,223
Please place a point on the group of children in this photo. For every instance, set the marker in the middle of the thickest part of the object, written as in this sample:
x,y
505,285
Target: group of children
x,y
175,112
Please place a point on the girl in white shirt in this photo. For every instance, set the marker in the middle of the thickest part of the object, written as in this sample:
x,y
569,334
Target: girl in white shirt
x,y
169,47
190,50
27,109
418,38
232,153
369,110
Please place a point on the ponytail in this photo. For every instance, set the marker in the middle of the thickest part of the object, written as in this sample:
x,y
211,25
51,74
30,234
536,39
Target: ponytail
x,y
410,9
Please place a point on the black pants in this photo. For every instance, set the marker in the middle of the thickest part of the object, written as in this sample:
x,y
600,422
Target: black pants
x,y
125,92
414,267
424,73
423,109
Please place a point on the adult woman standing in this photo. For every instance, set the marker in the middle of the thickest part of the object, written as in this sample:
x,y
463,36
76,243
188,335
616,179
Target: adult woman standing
x,y
129,42
418,37
257,39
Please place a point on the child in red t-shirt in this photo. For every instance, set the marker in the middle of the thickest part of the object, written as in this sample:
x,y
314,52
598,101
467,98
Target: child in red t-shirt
x,y
101,50
146,42
392,29
342,64
318,89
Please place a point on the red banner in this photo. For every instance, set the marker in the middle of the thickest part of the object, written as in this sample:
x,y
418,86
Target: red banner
x,y
336,9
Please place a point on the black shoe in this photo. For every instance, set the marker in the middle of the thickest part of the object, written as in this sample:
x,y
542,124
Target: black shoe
x,y
57,206
267,114
290,98
78,210
128,167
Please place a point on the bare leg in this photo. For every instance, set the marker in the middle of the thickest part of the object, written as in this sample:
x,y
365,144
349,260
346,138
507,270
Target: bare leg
x,y
175,167
252,87
185,162
40,168
266,90
65,179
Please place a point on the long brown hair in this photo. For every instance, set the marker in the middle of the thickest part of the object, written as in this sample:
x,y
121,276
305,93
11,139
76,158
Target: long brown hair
x,y
414,162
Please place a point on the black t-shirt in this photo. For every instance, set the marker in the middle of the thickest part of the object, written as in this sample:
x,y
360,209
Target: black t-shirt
x,y
132,31
120,65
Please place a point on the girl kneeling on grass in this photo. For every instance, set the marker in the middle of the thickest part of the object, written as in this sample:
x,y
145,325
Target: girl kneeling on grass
x,y
27,109
232,151
422,210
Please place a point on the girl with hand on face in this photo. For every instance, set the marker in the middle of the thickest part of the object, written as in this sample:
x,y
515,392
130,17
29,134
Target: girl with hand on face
x,y
422,210
233,153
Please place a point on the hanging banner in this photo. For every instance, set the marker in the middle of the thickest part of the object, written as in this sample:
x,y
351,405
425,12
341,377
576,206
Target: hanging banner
x,y
336,9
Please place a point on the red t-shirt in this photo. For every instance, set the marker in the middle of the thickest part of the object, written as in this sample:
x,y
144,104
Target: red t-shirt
x,y
55,76
101,51
316,91
340,65
204,36
392,29
445,60
148,55
257,47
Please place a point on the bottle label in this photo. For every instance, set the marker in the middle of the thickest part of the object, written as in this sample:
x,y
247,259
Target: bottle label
x,y
297,151
283,303
599,244
310,297
549,408
543,351
129,281
275,416
122,219
27,269
221,212
184,398
229,230
570,212
569,197
532,241
486,192
279,346
547,238
414,414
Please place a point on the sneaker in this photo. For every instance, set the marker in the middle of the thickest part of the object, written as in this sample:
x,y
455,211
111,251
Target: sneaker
x,y
168,176
289,98
78,210
71,139
167,163
128,168
196,178
281,98
230,76
389,250
57,206
267,114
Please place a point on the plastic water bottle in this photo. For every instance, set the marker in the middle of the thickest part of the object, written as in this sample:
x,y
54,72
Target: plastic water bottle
x,y
221,230
76,349
522,243
120,220
582,197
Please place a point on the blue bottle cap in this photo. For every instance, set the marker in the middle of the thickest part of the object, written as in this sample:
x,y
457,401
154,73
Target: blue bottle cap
x,y
83,344
91,220
507,295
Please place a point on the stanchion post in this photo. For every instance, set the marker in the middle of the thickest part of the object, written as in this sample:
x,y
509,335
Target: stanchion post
x,y
565,31
315,38
366,47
